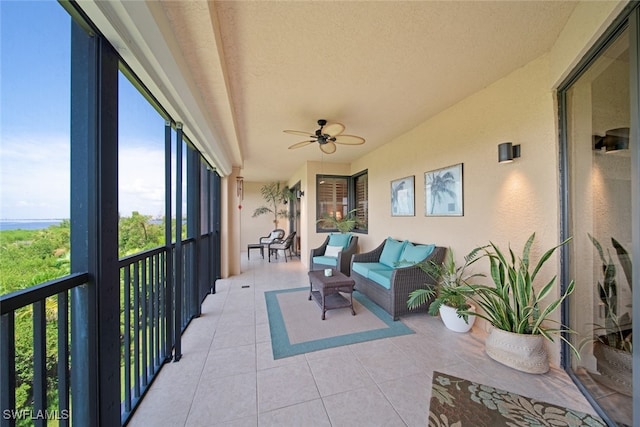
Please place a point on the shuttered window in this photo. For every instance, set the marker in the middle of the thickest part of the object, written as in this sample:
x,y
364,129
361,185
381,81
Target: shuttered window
x,y
361,200
338,195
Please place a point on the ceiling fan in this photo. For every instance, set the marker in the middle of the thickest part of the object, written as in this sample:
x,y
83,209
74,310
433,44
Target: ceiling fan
x,y
327,136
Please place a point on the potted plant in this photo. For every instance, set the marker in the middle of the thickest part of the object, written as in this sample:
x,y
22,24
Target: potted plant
x,y
514,308
343,224
613,341
275,196
451,293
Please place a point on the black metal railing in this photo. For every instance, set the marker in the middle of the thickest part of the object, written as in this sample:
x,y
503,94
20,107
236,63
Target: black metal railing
x,y
48,389
149,317
146,305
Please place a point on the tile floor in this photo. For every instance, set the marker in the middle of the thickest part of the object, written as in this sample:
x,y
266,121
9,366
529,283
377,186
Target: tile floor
x,y
227,375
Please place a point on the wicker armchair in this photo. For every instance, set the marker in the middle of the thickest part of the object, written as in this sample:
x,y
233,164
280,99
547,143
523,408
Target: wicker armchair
x,y
404,280
343,263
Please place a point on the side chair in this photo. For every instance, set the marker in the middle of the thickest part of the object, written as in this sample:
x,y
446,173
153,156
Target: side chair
x,y
281,245
264,241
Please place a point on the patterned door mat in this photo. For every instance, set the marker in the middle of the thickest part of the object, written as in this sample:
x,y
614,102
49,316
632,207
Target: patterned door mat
x,y
459,402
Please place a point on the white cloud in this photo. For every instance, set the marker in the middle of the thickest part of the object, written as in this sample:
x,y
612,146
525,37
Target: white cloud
x,y
35,178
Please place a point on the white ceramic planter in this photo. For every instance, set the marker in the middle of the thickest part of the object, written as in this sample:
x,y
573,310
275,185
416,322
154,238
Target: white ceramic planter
x,y
523,352
451,320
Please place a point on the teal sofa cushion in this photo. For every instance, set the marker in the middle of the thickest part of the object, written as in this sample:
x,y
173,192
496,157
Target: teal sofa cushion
x,y
381,277
339,239
413,254
391,252
363,268
326,260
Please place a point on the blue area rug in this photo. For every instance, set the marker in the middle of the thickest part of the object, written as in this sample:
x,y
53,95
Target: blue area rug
x,y
296,326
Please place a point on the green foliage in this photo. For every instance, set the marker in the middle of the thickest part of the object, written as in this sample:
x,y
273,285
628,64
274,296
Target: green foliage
x,y
32,257
343,225
616,330
275,197
513,304
452,281
137,233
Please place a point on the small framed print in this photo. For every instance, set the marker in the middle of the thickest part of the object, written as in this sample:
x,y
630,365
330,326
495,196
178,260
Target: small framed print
x,y
443,191
403,197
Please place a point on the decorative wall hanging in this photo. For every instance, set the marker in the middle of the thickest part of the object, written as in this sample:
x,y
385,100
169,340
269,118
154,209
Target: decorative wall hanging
x,y
403,197
443,191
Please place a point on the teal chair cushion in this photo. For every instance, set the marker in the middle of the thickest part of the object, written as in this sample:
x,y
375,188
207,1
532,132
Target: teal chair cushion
x,y
339,239
326,260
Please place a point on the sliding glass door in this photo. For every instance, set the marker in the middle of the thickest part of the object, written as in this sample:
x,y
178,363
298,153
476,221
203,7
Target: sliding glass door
x,y
599,125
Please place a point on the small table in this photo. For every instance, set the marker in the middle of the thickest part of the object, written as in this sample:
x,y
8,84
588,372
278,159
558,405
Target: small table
x,y
260,246
325,290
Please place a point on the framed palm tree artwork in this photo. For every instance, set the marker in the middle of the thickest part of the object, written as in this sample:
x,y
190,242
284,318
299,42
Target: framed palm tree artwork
x,y
402,197
443,191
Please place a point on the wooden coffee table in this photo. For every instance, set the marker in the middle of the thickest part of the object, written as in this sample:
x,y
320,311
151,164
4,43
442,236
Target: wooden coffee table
x,y
325,290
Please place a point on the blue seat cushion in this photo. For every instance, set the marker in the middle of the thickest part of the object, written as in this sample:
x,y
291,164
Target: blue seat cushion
x,y
391,252
326,260
381,277
339,239
363,268
413,254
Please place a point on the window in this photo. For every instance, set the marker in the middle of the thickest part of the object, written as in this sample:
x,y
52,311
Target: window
x,y
361,200
337,196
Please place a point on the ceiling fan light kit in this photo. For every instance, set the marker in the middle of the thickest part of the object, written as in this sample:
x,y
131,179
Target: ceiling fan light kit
x,y
327,136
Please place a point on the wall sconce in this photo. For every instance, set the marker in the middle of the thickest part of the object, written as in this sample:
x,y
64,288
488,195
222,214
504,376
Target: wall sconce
x,y
613,140
299,194
507,152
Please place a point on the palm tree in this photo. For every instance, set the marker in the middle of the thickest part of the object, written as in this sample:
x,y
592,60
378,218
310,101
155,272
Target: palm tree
x,y
275,197
440,184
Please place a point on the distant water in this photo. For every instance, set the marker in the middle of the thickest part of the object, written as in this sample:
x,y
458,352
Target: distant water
x,y
27,224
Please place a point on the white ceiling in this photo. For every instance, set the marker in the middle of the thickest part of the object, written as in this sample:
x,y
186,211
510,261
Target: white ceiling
x,y
255,68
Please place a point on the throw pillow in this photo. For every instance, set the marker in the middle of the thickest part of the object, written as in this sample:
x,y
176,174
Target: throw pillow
x,y
341,240
416,253
332,251
391,252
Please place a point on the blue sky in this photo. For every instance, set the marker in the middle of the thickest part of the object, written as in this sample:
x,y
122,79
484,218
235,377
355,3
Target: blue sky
x,y
35,116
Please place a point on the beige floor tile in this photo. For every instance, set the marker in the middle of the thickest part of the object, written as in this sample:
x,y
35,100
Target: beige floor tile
x,y
227,375
307,414
383,360
154,410
230,361
361,407
408,397
285,386
223,399
339,372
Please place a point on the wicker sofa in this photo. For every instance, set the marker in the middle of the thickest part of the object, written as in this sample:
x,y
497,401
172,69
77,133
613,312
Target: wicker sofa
x,y
402,276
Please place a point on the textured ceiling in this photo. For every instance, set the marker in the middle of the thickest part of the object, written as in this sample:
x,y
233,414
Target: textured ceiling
x,y
379,67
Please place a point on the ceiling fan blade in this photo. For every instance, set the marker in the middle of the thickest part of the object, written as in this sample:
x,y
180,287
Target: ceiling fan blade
x,y
349,140
301,144
333,129
299,132
328,148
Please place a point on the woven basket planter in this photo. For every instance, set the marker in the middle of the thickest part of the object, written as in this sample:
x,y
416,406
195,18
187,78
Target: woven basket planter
x,y
614,367
523,352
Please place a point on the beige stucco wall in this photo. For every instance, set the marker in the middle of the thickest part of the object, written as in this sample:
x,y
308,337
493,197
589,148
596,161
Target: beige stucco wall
x,y
503,203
